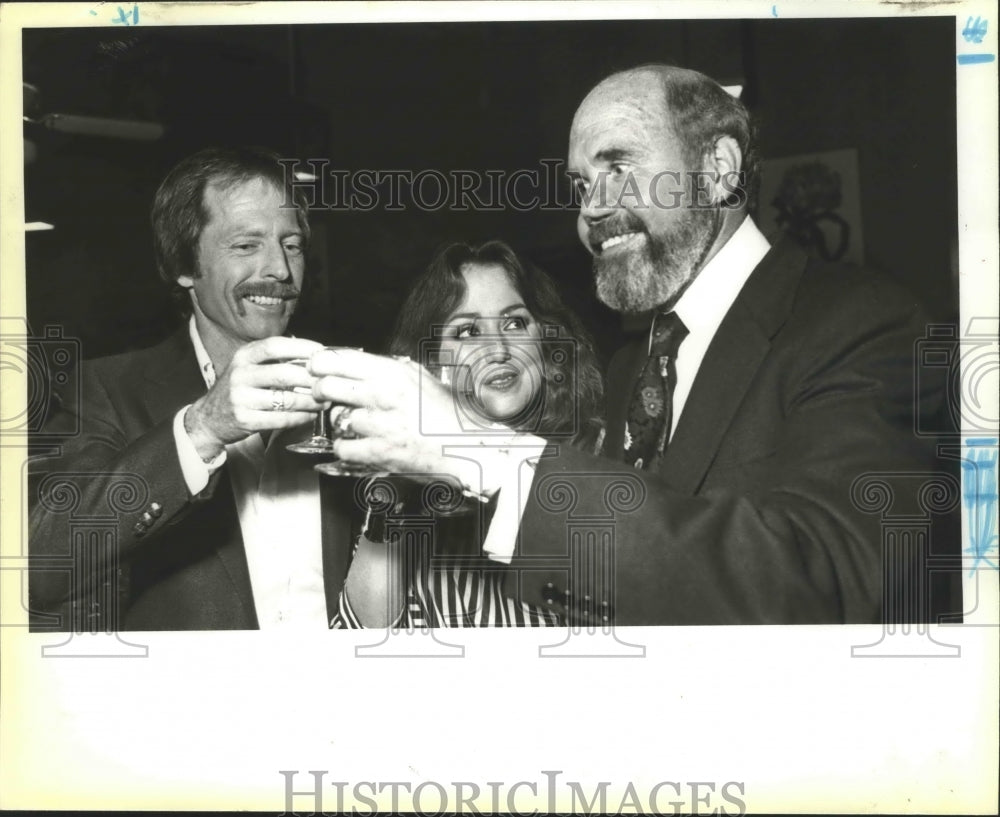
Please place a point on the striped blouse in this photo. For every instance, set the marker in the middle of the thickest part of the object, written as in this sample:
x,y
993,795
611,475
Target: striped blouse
x,y
456,596
457,586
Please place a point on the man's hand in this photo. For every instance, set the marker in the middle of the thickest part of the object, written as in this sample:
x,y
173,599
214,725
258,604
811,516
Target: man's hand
x,y
405,417
244,397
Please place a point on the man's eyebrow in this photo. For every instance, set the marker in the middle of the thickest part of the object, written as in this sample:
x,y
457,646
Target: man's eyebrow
x,y
613,154
606,156
242,230
247,231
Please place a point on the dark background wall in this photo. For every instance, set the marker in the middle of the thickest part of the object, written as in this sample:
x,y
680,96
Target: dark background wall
x,y
450,97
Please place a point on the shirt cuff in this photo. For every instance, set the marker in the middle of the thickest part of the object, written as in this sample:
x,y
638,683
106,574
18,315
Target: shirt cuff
x,y
508,466
195,470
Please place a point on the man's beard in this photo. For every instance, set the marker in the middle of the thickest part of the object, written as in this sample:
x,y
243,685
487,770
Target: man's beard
x,y
656,273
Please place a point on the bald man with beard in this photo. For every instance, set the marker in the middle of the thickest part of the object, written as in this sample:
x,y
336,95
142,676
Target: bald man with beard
x,y
735,446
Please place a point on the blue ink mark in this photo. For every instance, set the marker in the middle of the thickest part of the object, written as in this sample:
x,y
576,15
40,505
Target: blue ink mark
x,y
93,13
974,31
973,59
774,11
979,495
123,19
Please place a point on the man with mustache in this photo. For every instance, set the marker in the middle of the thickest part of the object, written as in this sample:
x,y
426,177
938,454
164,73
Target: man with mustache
x,y
226,529
761,387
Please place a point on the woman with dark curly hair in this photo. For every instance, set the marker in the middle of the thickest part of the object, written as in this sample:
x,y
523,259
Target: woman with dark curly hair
x,y
491,325
497,319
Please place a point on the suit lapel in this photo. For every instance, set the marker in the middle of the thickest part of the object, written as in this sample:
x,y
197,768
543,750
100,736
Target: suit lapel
x,y
725,375
172,381
340,515
231,552
728,368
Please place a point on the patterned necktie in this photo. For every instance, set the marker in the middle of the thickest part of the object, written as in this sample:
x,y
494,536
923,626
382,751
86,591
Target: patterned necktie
x,y
650,413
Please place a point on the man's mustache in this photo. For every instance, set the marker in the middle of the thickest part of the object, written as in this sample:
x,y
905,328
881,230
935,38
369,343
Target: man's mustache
x,y
276,289
607,228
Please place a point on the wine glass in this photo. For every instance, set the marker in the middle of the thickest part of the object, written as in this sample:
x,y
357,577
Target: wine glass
x,y
320,442
344,468
336,430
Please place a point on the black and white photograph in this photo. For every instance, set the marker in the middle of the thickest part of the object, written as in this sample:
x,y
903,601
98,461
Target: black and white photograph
x,y
624,376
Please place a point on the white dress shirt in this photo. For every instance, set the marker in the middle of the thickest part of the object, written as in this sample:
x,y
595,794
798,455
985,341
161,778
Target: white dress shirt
x,y
705,303
277,500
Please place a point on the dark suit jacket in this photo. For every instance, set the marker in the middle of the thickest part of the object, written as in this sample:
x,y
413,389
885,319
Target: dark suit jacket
x,y
807,386
114,533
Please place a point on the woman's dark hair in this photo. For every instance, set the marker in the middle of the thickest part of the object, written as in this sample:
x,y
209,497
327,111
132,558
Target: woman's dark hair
x,y
179,213
574,390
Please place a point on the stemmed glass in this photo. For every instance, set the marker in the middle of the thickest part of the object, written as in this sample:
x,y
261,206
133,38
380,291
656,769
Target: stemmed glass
x,y
326,430
343,468
446,373
321,441
330,433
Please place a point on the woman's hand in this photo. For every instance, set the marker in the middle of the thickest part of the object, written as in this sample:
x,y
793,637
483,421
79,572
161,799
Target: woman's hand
x,y
407,422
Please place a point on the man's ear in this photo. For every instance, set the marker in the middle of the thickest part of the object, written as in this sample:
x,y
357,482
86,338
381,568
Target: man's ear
x,y
726,160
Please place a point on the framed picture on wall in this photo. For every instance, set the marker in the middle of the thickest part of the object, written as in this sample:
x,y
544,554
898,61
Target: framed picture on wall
x,y
816,199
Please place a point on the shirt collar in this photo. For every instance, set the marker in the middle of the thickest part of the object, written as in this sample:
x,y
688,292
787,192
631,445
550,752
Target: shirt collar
x,y
705,303
201,353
